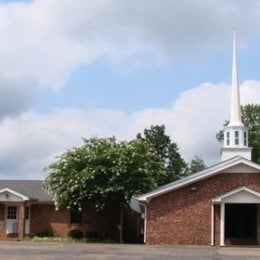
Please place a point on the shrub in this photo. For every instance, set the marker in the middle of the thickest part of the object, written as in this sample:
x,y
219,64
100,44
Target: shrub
x,y
75,234
45,233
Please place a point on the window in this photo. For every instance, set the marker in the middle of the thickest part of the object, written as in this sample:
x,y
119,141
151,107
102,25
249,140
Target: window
x,y
228,138
236,138
11,212
27,213
75,216
245,139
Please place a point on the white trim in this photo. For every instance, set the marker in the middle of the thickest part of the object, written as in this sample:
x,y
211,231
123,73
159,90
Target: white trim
x,y
212,225
221,198
214,170
12,225
7,190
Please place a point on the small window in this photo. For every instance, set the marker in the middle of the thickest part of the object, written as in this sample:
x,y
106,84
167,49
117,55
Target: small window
x,y
27,213
228,138
75,216
236,138
245,138
11,212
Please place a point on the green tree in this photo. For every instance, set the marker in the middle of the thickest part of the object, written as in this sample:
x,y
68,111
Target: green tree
x,y
103,173
251,119
196,165
168,151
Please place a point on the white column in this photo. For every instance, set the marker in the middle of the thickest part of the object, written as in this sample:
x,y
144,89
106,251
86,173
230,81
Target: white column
x,y
222,224
212,224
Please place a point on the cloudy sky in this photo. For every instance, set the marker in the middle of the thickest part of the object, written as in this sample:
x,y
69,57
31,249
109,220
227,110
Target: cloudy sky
x,y
71,69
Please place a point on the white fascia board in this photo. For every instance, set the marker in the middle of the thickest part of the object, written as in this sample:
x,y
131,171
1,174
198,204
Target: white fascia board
x,y
209,172
23,197
233,192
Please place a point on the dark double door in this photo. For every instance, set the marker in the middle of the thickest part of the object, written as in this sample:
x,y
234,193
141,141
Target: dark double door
x,y
241,223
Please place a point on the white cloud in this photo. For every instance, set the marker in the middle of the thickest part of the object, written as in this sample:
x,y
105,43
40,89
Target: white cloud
x,y
250,92
30,142
194,120
46,40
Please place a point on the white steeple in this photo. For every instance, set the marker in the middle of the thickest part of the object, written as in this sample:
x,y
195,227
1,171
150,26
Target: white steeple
x,y
235,111
235,134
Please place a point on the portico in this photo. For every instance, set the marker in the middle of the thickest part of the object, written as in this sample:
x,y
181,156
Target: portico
x,y
239,217
15,209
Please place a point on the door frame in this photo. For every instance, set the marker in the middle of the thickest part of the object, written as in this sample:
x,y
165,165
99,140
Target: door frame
x,y
241,195
13,222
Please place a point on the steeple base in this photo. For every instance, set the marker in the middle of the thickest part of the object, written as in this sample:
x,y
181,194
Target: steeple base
x,y
227,153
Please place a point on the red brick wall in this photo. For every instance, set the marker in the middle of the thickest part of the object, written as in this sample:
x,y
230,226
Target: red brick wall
x,y
21,221
184,216
45,217
2,217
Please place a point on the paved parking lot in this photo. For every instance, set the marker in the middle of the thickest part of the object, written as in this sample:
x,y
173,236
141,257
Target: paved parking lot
x,y
42,251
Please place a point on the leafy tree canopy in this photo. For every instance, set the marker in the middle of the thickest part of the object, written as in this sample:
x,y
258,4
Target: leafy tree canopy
x,y
106,173
251,119
168,151
103,172
197,164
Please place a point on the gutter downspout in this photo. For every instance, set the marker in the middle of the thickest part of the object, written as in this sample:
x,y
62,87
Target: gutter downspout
x,y
145,219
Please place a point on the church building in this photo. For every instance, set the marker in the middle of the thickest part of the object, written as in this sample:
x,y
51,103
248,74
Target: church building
x,y
217,206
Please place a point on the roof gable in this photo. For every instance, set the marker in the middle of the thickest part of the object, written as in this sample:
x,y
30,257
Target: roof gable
x,y
240,195
7,194
240,168
31,189
235,165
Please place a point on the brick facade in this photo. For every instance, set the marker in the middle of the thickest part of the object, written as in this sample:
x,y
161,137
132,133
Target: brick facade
x,y
183,216
45,219
27,209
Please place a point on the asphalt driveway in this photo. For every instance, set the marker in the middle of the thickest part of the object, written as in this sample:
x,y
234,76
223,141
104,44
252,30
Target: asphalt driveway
x,y
53,250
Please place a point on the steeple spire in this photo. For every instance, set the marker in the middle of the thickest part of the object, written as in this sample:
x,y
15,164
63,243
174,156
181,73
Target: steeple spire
x,y
235,110
235,134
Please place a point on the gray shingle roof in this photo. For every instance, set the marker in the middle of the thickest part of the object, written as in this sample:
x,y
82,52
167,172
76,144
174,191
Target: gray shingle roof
x,y
32,189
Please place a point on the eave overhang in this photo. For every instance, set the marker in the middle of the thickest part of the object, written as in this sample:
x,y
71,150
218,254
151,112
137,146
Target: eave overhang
x,y
239,195
202,175
10,195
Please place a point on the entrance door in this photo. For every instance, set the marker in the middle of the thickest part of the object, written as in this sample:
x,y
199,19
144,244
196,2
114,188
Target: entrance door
x,y
241,223
11,226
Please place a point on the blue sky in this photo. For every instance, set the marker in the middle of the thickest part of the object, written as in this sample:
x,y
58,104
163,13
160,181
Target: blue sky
x,y
72,69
